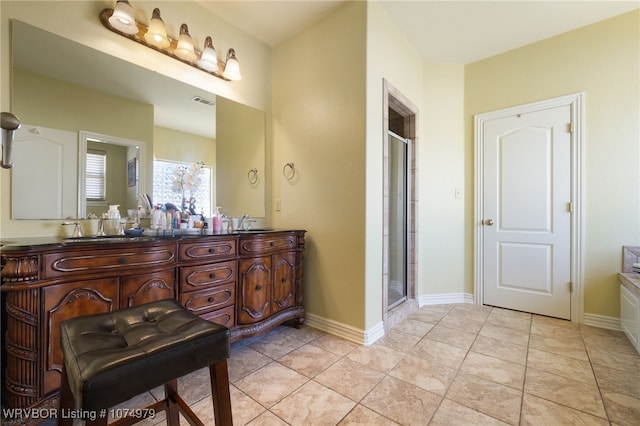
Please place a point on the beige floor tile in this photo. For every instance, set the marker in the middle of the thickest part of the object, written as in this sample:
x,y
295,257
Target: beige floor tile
x,y
457,338
520,323
614,358
308,360
625,382
502,350
351,379
429,314
494,369
243,361
362,416
399,340
402,402
564,391
622,409
490,398
379,358
280,379
425,374
451,413
503,334
518,315
305,334
561,365
472,312
414,327
442,353
554,327
572,348
334,344
243,408
267,419
313,404
537,411
276,345
459,321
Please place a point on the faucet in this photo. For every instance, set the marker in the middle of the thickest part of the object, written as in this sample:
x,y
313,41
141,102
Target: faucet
x,y
241,221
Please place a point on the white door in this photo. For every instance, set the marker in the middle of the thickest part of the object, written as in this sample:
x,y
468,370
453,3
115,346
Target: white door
x,y
50,178
526,215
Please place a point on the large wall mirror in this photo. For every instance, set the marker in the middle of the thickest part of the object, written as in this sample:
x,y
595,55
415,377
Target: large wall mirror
x,y
62,85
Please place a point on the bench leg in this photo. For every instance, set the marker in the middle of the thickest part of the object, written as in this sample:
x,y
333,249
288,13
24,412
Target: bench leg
x,y
66,399
220,393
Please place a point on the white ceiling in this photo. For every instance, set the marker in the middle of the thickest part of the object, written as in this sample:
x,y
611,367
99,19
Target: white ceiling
x,y
448,31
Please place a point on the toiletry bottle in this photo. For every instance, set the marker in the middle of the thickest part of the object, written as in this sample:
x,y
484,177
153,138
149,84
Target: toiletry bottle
x,y
217,221
113,220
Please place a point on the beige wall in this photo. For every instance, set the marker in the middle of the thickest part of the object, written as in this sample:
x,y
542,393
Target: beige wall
x,y
602,60
319,125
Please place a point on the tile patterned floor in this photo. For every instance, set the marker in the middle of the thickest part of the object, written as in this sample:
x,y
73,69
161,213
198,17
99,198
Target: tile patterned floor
x,y
444,365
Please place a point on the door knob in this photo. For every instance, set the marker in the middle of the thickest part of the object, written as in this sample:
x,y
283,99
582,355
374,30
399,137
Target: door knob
x,y
488,222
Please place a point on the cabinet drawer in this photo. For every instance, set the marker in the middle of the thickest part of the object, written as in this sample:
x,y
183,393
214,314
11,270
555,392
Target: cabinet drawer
x,y
204,276
267,244
214,248
140,289
199,302
224,316
81,262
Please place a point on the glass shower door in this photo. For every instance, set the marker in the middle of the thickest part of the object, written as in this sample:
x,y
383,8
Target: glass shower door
x,y
398,219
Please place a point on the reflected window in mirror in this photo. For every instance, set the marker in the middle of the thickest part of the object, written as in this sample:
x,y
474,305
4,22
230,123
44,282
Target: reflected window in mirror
x,y
96,175
186,185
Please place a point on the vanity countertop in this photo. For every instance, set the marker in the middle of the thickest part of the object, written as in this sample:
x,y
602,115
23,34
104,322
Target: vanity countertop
x,y
631,281
26,243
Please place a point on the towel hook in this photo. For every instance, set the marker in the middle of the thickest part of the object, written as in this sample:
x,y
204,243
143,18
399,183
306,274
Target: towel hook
x,y
253,176
289,171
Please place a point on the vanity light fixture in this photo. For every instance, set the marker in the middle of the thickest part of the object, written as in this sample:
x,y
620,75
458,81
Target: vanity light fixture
x,y
209,58
157,32
120,20
232,67
185,48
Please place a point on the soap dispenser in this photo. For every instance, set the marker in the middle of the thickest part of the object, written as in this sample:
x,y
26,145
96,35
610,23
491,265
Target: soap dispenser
x,y
113,220
217,221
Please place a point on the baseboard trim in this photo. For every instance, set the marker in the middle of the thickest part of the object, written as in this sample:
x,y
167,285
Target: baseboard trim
x,y
445,298
601,321
347,332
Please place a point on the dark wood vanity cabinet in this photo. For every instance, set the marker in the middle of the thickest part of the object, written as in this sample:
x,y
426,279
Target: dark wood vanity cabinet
x,y
249,282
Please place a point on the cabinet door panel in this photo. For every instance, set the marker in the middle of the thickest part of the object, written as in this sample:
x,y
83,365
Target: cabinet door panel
x,y
66,301
283,281
254,290
141,289
224,316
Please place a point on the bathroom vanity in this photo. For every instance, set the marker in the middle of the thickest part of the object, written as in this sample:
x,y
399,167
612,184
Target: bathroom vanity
x,y
248,281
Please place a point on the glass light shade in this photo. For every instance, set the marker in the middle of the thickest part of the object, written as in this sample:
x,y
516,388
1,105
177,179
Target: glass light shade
x,y
157,33
122,18
209,59
232,67
185,49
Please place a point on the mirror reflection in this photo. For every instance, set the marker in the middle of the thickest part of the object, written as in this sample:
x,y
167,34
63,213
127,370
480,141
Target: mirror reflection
x,y
59,84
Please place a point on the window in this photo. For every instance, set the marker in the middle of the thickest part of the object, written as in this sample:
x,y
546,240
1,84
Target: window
x,y
167,188
96,175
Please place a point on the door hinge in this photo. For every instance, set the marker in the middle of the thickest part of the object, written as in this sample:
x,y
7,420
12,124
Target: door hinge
x,y
569,127
570,207
570,287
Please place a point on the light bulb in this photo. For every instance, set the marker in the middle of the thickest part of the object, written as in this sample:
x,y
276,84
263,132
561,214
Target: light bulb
x,y
232,67
209,59
185,50
157,32
122,18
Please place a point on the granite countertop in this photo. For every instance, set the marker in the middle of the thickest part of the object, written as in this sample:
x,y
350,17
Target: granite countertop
x,y
631,281
25,243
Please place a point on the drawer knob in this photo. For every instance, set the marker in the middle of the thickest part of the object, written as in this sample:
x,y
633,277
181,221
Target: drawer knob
x,y
212,275
271,243
122,260
258,287
210,299
212,250
284,280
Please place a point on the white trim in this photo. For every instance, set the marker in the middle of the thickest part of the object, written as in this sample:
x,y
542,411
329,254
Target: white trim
x,y
444,299
601,321
347,332
576,102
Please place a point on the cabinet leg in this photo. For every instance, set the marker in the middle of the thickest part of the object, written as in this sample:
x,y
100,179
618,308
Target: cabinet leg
x,y
298,322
